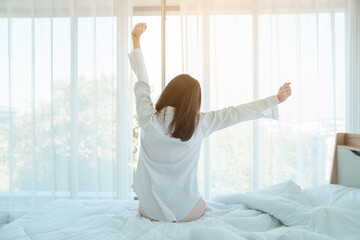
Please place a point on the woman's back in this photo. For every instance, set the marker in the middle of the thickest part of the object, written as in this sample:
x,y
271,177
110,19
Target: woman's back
x,y
166,177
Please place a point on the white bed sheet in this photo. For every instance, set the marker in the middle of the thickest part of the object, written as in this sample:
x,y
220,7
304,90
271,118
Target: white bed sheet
x,y
228,218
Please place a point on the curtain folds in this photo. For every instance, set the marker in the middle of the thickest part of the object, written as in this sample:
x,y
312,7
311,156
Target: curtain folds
x,y
245,50
66,102
353,66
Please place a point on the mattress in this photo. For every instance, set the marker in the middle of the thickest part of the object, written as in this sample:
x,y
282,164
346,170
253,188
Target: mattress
x,y
282,211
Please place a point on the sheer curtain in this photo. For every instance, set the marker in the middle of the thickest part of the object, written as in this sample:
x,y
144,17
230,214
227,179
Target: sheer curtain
x,y
245,50
353,66
65,102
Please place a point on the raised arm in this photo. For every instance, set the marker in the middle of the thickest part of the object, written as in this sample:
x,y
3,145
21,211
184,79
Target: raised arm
x,y
267,108
144,105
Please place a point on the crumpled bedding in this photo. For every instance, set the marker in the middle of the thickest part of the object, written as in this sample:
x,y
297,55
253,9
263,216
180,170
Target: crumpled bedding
x,y
281,211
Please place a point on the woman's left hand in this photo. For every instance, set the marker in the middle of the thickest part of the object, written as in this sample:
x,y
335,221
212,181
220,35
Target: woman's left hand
x,y
284,92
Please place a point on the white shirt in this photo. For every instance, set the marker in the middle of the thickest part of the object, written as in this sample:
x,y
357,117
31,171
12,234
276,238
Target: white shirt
x,y
166,177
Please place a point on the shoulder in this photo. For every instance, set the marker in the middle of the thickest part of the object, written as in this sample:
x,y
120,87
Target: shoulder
x,y
206,116
159,121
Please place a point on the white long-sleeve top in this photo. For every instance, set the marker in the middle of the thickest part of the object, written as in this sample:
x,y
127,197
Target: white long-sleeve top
x,y
166,177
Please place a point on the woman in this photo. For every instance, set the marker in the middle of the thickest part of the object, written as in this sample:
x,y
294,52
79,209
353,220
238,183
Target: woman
x,y
166,177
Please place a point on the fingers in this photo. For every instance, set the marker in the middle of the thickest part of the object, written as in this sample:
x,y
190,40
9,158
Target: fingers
x,y
286,87
139,29
287,91
284,92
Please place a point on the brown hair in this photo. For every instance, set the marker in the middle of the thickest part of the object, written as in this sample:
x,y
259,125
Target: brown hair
x,y
184,94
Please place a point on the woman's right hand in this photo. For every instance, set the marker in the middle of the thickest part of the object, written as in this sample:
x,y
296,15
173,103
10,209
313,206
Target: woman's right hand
x,y
284,92
138,30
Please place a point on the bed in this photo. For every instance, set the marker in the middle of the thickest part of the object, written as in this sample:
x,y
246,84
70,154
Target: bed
x,y
282,211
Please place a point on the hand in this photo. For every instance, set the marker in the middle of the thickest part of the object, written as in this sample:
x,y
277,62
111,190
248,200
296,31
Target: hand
x,y
284,92
138,30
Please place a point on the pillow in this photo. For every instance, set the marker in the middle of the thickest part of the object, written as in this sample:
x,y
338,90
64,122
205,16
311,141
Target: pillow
x,y
334,195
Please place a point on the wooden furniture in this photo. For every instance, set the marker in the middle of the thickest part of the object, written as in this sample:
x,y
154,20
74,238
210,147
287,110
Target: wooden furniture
x,y
346,160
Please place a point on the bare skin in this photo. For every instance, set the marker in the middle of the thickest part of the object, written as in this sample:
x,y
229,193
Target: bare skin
x,y
284,92
138,30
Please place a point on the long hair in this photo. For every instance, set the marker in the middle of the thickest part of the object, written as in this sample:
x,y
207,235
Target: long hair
x,y
184,94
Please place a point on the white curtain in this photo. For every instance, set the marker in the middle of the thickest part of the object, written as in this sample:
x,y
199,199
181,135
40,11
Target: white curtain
x,y
65,102
353,66
245,50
